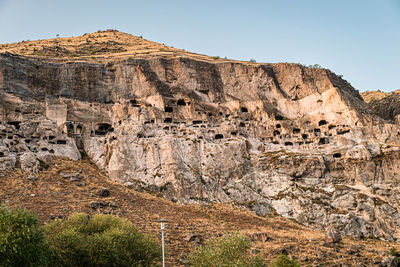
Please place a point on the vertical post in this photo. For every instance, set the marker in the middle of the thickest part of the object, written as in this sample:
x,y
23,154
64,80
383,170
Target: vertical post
x,y
162,244
162,221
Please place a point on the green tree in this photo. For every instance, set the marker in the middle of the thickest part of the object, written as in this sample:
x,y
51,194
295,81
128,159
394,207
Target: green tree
x,y
103,240
229,250
22,242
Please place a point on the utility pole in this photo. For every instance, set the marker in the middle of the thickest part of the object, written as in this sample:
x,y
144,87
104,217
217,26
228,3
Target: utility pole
x,y
162,221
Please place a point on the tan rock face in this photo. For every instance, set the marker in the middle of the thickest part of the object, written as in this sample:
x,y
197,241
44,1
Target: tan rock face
x,y
385,105
280,137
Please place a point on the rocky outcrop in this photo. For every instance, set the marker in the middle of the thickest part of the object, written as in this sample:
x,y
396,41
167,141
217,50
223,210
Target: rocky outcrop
x,y
385,105
270,137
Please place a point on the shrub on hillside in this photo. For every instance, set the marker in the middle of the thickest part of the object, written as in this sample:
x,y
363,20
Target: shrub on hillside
x,y
22,242
284,261
229,250
103,240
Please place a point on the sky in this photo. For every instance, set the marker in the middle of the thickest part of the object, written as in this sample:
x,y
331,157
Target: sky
x,y
359,39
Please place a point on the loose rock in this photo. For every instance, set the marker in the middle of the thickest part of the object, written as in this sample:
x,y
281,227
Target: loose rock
x,y
103,192
332,236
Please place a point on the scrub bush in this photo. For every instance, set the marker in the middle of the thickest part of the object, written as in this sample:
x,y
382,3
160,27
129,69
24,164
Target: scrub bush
x,y
229,250
22,242
103,240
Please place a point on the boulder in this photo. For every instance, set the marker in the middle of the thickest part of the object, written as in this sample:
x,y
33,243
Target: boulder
x,y
103,192
29,162
332,236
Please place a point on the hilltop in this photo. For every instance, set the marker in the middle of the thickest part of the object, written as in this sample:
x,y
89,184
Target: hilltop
x,y
99,46
385,105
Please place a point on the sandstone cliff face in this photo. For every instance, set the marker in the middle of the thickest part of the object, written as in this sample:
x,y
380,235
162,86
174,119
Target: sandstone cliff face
x,y
270,137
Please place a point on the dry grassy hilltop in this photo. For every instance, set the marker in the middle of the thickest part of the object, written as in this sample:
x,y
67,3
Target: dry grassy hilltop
x,y
370,96
385,105
98,47
280,152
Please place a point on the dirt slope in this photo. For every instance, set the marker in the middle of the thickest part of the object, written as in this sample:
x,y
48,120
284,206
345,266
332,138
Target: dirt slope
x,y
52,195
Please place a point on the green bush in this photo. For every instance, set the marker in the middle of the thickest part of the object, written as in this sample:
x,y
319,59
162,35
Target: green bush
x,y
229,250
22,242
284,261
103,240
394,252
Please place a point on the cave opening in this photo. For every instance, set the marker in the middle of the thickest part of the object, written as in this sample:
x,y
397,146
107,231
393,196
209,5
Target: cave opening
x,y
168,109
343,132
323,141
79,129
181,102
15,123
134,103
322,122
70,129
337,155
103,129
219,136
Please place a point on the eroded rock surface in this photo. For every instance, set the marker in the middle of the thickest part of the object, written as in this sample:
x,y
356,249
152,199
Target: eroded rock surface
x,y
271,137
385,105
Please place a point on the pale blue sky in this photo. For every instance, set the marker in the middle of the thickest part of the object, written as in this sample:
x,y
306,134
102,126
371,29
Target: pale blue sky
x,y
359,39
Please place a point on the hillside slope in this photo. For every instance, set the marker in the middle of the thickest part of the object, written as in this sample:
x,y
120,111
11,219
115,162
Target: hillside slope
x,y
67,186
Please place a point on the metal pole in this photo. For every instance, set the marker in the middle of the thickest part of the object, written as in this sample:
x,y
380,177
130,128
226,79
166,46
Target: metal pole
x,y
162,242
162,221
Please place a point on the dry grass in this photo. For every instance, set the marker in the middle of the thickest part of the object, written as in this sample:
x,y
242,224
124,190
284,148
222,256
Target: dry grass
x,y
99,47
55,195
370,96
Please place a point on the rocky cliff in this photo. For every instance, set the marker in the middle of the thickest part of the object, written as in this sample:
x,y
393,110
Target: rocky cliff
x,y
271,137
385,105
